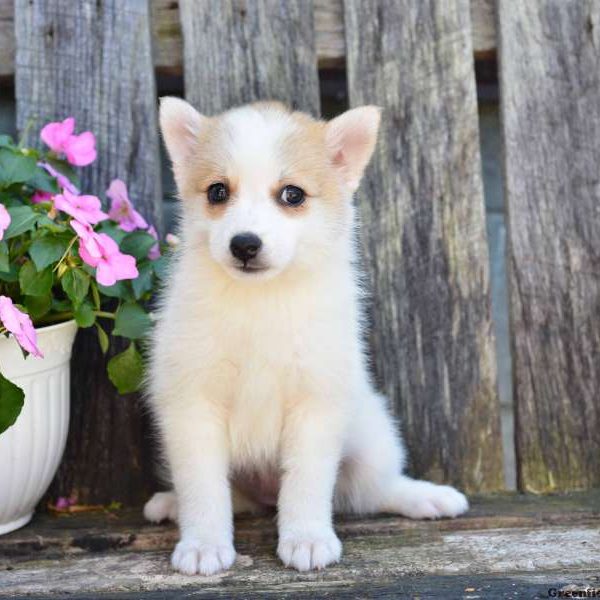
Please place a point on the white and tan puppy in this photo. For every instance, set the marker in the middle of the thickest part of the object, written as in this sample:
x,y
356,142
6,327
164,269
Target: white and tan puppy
x,y
258,380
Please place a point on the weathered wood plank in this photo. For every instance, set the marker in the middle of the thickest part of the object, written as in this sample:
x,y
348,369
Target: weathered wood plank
x,y
516,584
483,27
7,38
91,59
385,563
329,27
550,85
424,235
63,533
90,554
266,48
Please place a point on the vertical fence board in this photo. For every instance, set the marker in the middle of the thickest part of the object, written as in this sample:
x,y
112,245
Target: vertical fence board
x,y
91,59
238,51
424,240
550,90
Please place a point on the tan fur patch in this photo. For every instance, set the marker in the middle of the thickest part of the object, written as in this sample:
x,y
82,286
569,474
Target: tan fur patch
x,y
307,164
205,167
303,157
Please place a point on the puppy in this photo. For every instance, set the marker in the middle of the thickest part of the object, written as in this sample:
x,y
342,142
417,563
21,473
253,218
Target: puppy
x,y
258,380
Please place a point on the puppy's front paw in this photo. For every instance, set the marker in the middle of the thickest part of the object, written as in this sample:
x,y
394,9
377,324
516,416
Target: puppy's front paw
x,y
309,551
194,556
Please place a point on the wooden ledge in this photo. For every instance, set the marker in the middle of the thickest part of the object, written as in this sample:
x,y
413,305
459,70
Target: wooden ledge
x,y
509,539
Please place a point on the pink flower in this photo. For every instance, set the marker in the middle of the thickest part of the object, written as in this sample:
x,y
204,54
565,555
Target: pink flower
x,y
85,209
41,196
62,503
4,220
87,242
20,325
172,240
56,135
121,209
154,252
63,182
101,251
80,150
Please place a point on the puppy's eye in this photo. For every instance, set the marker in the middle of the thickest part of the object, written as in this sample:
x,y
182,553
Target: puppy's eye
x,y
217,193
292,195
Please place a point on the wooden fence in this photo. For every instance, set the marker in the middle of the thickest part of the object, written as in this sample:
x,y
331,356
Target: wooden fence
x,y
421,205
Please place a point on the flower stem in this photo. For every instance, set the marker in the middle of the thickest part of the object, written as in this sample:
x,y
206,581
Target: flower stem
x,y
66,253
26,130
104,314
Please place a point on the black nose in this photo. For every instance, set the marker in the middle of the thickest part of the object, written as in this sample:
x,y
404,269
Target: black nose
x,y
245,246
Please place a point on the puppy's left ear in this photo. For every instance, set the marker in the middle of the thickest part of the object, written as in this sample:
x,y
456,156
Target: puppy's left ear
x,y
350,140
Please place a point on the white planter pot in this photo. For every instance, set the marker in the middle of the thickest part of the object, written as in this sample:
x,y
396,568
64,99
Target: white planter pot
x,y
30,450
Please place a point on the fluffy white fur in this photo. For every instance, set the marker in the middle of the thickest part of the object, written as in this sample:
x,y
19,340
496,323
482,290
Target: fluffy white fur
x,y
264,372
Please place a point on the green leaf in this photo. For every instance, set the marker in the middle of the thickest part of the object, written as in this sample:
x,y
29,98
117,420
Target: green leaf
x,y
102,339
54,226
34,282
37,306
137,244
126,369
4,265
11,403
131,321
64,305
15,167
143,282
96,296
161,266
6,141
76,283
84,315
118,290
11,275
22,219
42,180
47,250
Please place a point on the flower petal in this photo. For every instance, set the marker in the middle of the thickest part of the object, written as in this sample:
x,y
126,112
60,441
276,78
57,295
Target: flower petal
x,y
20,325
80,150
105,274
56,134
4,220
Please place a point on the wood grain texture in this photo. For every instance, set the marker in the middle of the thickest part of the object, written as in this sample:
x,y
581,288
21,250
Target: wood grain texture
x,y
423,235
91,59
550,90
483,27
329,33
104,555
7,38
239,51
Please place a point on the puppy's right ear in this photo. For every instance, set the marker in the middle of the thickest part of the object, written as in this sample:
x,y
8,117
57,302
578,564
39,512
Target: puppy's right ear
x,y
180,124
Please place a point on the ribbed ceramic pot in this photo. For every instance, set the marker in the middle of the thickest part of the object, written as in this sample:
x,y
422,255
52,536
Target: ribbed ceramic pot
x,y
30,450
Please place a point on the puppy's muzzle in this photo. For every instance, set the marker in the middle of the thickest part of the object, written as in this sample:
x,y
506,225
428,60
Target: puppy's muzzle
x,y
245,246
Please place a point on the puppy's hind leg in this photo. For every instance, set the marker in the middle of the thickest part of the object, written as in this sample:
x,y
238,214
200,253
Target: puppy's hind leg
x,y
371,478
163,506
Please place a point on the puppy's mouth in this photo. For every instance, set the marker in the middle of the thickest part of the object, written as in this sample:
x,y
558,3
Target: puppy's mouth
x,y
249,267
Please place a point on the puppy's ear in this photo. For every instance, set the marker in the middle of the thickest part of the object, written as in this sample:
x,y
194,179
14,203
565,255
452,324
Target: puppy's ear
x,y
350,140
180,124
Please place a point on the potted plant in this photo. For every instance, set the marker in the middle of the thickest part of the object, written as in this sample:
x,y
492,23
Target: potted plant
x,y
67,260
